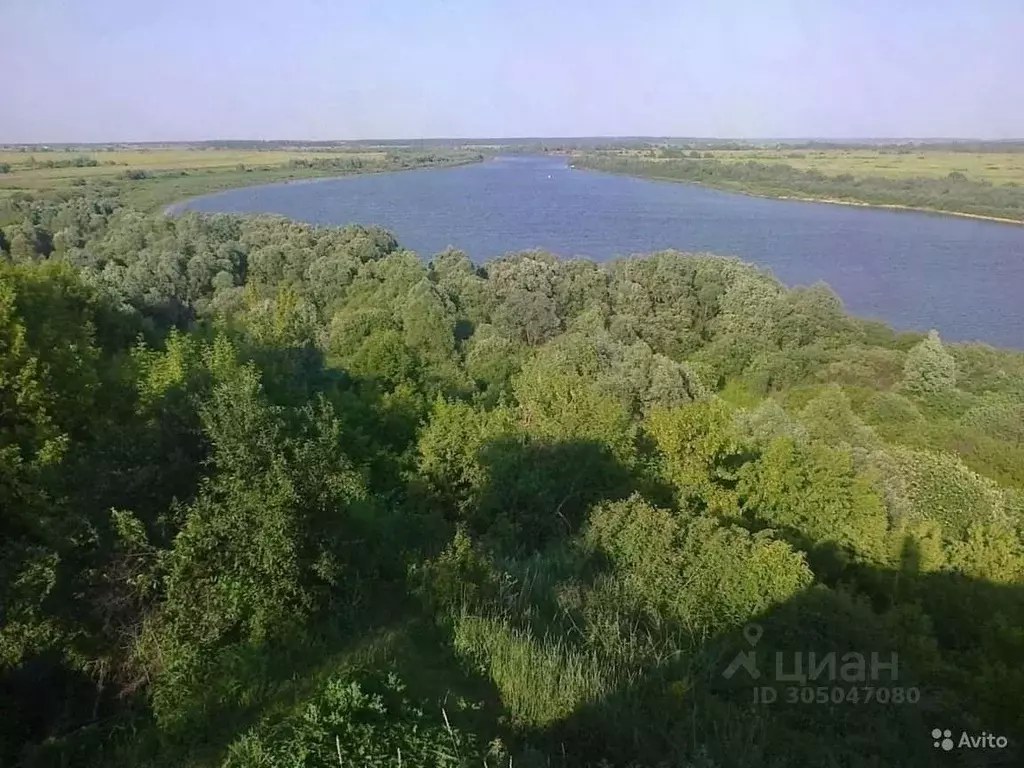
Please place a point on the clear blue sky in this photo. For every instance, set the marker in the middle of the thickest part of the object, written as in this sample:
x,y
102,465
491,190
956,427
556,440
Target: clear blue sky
x,y
138,70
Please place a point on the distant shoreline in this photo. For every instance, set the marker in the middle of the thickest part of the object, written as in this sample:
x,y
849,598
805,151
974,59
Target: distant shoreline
x,y
176,208
894,207
802,199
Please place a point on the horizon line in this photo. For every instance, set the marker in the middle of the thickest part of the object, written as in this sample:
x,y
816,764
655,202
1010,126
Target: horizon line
x,y
468,139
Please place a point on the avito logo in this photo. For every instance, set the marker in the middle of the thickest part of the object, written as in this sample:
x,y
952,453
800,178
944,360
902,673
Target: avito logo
x,y
942,738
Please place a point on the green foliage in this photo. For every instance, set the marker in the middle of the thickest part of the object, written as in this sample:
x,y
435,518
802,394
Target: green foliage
x,y
555,405
492,360
369,722
886,410
760,425
53,379
830,418
998,416
460,576
694,571
942,489
540,681
263,543
700,450
989,551
236,452
815,496
864,366
955,192
929,368
451,447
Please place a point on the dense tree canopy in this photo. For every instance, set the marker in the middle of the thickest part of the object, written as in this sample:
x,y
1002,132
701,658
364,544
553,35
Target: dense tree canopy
x,y
273,494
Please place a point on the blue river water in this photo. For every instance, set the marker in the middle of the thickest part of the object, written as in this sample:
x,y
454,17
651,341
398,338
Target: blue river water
x,y
916,271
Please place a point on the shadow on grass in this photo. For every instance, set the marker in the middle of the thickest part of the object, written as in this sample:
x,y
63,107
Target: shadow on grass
x,y
958,642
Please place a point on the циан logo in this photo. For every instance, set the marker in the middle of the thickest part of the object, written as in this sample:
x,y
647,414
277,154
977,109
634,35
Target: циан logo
x,y
825,678
747,659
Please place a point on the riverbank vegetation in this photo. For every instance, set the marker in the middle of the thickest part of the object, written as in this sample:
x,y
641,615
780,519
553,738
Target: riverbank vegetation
x,y
277,495
997,167
987,184
149,177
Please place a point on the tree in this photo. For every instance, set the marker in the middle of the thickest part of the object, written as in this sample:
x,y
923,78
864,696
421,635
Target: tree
x,y
492,359
558,405
261,546
59,388
428,326
450,445
700,451
941,488
384,355
929,368
525,287
816,498
813,315
21,247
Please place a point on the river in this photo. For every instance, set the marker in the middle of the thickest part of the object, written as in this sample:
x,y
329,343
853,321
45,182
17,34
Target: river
x,y
916,271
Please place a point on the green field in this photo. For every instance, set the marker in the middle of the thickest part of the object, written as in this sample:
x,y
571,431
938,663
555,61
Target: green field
x,y
24,173
994,167
172,187
980,184
998,168
148,178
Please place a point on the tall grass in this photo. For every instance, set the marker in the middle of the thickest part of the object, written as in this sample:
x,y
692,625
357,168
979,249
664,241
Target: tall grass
x,y
541,681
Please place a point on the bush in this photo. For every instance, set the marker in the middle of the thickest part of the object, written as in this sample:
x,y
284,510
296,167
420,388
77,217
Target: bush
x,y
369,721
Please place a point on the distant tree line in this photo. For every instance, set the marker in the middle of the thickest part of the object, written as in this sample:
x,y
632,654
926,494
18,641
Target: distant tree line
x,y
81,161
956,192
392,160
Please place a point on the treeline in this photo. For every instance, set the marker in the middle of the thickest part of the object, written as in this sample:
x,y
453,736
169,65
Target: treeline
x,y
975,147
393,160
339,163
955,193
80,161
277,495
909,145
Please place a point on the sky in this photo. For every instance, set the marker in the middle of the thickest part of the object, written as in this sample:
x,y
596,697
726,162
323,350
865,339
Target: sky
x,y
186,70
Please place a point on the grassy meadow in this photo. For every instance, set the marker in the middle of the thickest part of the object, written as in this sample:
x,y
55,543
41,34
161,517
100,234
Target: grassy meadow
x,y
995,167
159,176
919,163
986,184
